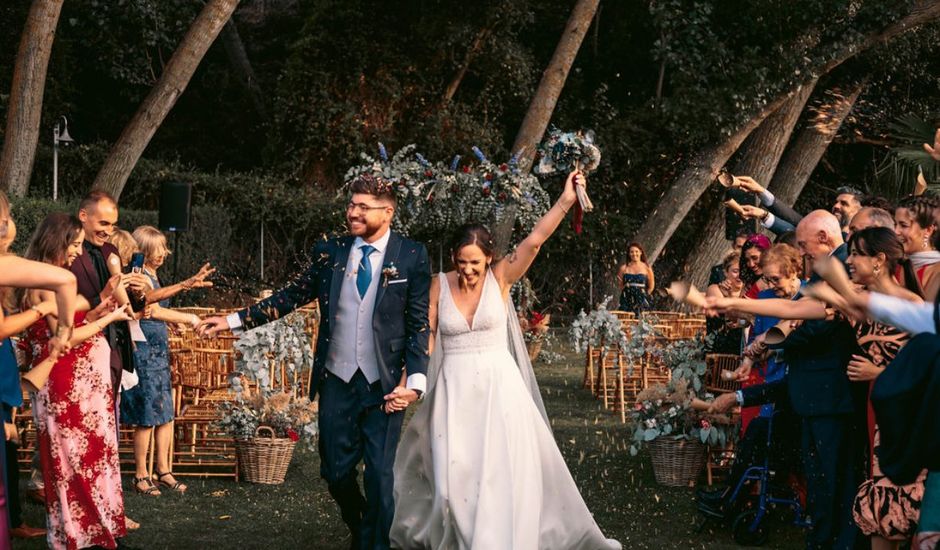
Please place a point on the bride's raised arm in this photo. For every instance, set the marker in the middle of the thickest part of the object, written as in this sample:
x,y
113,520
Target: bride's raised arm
x,y
514,266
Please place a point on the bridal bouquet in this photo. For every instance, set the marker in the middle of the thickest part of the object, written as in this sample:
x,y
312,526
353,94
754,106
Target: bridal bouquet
x,y
565,152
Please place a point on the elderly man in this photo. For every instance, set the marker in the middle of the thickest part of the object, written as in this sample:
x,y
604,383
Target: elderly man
x,y
830,407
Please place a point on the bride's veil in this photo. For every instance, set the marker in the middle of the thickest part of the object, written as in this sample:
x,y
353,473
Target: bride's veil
x,y
517,349
520,353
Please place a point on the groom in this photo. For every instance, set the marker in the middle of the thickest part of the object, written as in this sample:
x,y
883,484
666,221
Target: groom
x,y
372,287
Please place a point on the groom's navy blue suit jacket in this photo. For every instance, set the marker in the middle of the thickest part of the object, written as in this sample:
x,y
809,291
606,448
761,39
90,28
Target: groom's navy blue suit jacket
x,y
400,318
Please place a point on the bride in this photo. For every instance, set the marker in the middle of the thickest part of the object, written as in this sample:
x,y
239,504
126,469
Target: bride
x,y
478,467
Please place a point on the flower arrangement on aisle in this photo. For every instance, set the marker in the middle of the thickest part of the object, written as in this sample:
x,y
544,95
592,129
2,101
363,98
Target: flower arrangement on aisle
x,y
599,329
271,411
667,409
672,418
435,198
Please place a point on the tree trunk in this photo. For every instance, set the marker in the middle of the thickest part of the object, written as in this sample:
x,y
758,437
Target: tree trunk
x,y
24,111
692,182
542,106
762,152
475,48
238,58
801,158
152,112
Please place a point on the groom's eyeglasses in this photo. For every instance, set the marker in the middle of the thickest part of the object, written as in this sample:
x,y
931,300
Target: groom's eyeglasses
x,y
362,207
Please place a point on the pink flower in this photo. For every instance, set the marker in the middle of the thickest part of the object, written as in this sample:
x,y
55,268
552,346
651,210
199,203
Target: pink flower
x,y
638,407
705,424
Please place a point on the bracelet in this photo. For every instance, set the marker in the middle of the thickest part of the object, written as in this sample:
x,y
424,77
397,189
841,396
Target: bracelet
x,y
563,209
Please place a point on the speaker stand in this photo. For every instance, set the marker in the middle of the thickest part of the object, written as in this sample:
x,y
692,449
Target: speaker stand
x,y
176,256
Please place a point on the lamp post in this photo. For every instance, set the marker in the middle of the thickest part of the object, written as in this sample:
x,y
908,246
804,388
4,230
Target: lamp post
x,y
58,137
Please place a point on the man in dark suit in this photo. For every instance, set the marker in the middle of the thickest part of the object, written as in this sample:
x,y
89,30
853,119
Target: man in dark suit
x,y
373,289
830,406
98,262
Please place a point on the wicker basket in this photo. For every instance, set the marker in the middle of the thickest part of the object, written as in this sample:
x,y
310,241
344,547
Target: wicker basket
x,y
534,348
677,462
264,459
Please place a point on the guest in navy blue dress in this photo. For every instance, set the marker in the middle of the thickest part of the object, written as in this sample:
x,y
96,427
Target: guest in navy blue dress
x,y
636,281
149,404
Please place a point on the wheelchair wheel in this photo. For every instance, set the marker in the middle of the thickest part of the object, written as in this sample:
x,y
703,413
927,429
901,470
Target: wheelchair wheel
x,y
742,532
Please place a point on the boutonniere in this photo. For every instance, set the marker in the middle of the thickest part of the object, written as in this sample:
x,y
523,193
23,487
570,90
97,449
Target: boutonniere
x,y
389,271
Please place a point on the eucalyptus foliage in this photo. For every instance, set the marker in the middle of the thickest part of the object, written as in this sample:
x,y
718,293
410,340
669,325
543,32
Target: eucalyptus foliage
x,y
434,199
665,410
599,329
271,363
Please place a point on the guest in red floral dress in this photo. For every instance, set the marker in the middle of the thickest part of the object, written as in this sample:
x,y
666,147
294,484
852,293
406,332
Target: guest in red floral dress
x,y
76,425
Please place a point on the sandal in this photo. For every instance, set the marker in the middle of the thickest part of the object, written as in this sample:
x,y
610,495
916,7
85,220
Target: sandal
x,y
149,488
178,486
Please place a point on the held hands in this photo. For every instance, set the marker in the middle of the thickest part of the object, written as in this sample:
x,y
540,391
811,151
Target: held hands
x,y
862,370
212,326
399,399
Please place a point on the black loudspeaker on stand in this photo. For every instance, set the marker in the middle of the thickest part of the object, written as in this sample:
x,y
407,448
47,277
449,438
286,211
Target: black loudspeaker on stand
x,y
175,213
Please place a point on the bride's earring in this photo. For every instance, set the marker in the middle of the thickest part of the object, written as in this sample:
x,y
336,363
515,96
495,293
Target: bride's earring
x,y
877,269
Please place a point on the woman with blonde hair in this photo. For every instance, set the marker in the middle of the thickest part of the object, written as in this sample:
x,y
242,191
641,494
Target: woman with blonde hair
x,y
125,244
149,404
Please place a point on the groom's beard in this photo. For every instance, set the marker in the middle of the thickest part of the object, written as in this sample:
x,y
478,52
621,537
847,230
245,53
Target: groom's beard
x,y
364,228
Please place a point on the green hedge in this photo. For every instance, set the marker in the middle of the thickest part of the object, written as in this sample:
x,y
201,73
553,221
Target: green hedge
x,y
209,241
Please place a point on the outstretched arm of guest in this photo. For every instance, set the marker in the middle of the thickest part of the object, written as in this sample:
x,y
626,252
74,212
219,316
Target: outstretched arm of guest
x,y
911,317
21,273
514,267
196,281
775,307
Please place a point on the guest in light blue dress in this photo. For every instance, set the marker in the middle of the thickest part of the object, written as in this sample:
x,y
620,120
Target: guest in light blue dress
x,y
149,405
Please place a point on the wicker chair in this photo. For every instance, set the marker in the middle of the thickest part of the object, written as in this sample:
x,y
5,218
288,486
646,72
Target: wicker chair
x,y
719,459
717,362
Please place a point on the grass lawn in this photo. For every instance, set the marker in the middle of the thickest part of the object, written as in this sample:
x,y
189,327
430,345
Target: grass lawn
x,y
619,489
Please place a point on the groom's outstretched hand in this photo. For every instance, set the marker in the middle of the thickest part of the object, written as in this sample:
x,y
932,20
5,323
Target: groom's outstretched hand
x,y
399,399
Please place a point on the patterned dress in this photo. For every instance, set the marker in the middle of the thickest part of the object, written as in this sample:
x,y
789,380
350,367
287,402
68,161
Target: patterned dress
x,y
78,444
150,402
882,508
634,297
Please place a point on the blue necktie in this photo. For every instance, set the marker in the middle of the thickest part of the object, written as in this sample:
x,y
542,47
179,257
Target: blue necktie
x,y
364,276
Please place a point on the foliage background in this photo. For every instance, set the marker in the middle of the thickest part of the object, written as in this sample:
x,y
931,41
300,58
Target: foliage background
x,y
337,76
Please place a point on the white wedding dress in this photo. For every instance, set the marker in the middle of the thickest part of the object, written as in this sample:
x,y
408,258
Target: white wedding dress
x,y
478,467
